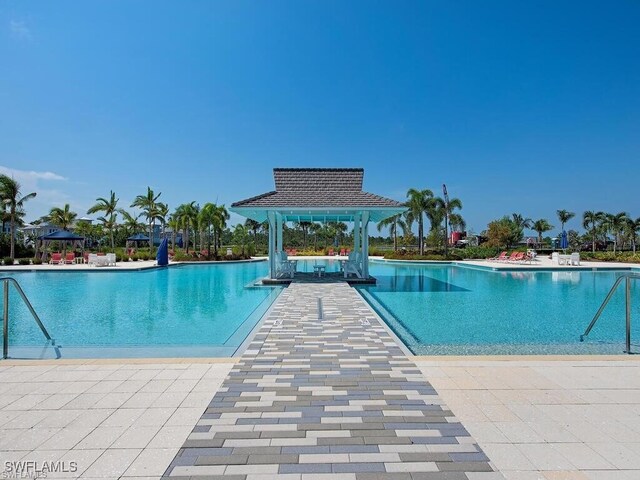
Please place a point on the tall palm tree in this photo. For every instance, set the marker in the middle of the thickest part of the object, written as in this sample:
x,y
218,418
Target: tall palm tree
x,y
220,217
616,223
174,225
444,210
186,215
148,204
110,209
131,224
591,222
62,217
206,218
162,213
13,200
254,226
564,216
418,202
315,229
304,226
541,226
393,223
633,228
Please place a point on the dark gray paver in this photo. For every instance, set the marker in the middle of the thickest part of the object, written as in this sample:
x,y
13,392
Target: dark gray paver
x,y
331,394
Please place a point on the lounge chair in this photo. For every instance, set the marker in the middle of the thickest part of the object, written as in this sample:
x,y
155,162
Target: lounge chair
x,y
342,252
331,252
516,257
499,258
56,259
284,266
575,259
69,258
352,265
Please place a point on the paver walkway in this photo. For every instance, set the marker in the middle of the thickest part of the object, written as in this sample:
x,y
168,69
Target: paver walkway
x,y
324,392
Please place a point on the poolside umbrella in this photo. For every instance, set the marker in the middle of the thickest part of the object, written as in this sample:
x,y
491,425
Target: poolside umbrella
x,y
163,253
564,242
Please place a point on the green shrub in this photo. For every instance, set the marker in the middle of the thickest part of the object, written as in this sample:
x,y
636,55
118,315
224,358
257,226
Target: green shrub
x,y
118,257
24,261
8,261
182,257
476,252
37,261
134,257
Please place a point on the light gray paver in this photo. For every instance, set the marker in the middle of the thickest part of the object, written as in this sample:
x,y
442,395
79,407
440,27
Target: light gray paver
x,y
328,394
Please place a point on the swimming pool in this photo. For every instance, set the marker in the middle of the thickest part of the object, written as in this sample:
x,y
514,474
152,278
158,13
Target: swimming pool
x,y
451,309
181,311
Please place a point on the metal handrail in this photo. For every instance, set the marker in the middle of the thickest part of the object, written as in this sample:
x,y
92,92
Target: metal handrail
x,y
627,277
5,324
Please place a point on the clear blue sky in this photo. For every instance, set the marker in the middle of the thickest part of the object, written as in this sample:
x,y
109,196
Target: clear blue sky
x,y
517,106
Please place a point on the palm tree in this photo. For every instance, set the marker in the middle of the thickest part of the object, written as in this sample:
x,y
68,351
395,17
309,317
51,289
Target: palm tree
x,y
220,217
13,199
186,215
418,202
616,223
541,226
254,226
304,226
110,209
131,224
62,217
162,212
393,223
315,229
633,228
241,236
174,225
206,218
446,210
564,216
591,222
147,203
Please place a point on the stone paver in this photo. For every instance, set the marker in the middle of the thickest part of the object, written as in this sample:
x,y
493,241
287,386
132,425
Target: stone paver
x,y
543,419
325,392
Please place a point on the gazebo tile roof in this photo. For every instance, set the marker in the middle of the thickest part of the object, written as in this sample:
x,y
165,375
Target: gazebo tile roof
x,y
317,188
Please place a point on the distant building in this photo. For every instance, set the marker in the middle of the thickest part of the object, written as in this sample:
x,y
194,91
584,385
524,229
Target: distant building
x,y
30,232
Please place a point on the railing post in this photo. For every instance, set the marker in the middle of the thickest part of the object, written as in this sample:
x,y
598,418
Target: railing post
x,y
628,314
5,320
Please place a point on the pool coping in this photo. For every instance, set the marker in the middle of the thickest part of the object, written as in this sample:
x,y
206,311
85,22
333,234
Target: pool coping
x,y
61,268
416,358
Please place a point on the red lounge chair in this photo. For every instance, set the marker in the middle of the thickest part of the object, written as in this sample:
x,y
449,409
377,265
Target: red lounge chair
x,y
342,252
516,257
69,258
331,253
294,252
499,258
348,252
86,257
56,259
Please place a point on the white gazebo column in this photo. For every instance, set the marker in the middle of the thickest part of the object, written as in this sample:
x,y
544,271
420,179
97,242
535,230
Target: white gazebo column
x,y
356,232
365,244
279,222
271,216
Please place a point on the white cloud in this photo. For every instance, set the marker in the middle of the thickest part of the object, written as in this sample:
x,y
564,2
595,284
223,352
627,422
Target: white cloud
x,y
44,184
29,176
20,30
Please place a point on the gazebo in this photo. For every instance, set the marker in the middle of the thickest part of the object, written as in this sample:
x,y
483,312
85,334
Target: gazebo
x,y
318,195
136,239
63,236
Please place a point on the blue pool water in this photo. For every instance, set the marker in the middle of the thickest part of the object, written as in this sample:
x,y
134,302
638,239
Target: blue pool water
x,y
198,310
209,310
446,309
